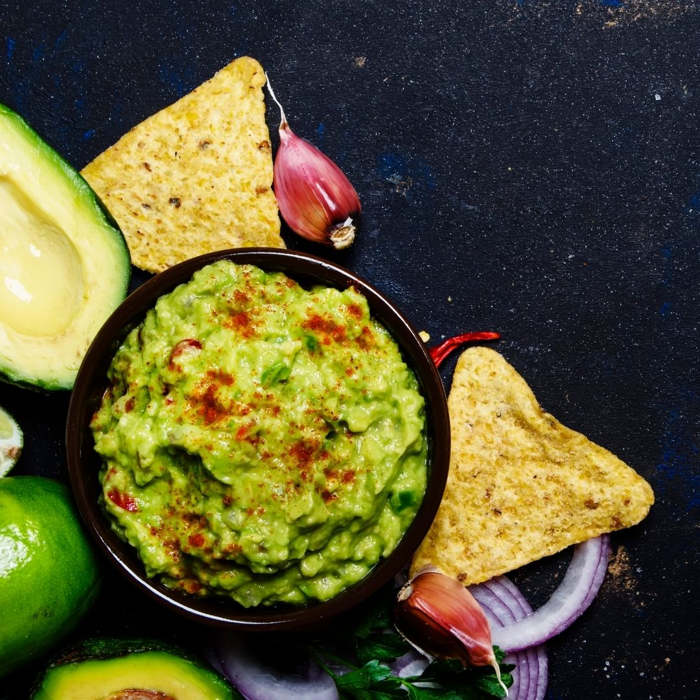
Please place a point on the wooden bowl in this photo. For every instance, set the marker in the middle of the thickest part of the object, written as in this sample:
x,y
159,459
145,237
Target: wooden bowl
x,y
84,463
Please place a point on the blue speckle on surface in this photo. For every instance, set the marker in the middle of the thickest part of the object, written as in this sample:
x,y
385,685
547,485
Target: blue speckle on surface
x,y
611,3
38,53
88,134
10,48
320,131
61,39
679,455
695,201
665,308
389,162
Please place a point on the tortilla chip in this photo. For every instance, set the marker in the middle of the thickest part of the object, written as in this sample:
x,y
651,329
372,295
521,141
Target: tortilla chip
x,y
196,176
521,485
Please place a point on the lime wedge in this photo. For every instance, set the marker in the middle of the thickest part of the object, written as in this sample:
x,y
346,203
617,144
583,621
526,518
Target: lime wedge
x,y
11,441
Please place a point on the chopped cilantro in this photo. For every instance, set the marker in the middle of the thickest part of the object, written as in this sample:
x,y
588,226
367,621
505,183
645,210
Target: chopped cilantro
x,y
402,500
278,372
310,342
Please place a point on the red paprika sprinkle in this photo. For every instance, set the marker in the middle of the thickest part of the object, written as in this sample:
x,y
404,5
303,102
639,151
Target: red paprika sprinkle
x,y
242,323
218,375
302,451
355,310
315,322
440,352
192,586
210,408
196,540
366,338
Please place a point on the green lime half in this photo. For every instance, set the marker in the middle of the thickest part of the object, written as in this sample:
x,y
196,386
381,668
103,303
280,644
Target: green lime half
x,y
11,441
48,573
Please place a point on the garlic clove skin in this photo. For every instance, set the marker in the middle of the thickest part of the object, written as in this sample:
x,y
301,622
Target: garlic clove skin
x,y
315,198
441,618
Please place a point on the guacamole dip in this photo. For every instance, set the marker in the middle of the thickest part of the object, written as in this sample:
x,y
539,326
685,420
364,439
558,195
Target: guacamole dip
x,y
260,440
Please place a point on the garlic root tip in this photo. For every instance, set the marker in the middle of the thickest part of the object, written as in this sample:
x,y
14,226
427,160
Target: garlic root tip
x,y
342,235
497,669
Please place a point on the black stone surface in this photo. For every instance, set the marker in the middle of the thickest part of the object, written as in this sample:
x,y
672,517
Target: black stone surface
x,y
526,167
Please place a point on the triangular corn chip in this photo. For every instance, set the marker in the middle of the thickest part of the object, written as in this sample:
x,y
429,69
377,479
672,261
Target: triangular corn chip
x,y
196,176
521,485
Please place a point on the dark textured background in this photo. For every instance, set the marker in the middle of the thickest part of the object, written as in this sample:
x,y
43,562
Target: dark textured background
x,y
526,167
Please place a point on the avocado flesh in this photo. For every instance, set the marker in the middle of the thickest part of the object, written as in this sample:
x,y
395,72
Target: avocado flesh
x,y
160,674
64,266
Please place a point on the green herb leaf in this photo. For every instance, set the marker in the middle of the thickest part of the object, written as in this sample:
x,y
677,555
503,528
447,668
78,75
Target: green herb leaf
x,y
468,683
365,677
377,619
385,647
489,684
499,654
402,500
278,372
418,693
310,342
373,643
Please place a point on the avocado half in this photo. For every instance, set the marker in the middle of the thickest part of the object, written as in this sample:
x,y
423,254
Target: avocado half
x,y
64,264
115,669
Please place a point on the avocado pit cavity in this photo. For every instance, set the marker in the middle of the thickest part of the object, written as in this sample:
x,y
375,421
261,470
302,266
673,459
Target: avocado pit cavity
x,y
41,276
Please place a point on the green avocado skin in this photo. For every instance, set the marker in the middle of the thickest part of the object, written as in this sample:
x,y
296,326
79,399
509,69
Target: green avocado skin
x,y
108,664
116,254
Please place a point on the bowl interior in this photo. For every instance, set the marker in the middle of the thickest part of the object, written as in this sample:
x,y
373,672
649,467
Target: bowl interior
x,y
84,462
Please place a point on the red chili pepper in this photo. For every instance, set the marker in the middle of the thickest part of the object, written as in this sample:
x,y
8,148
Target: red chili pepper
x,y
123,501
440,352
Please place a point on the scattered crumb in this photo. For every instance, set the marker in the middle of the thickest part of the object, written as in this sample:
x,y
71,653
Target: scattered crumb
x,y
424,336
360,61
449,299
401,185
622,576
635,10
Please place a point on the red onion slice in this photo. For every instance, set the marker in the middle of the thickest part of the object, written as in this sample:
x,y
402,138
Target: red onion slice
x,y
502,599
262,680
515,629
538,654
412,663
568,602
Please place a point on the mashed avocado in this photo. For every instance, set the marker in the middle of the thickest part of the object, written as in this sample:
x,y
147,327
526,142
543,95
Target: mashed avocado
x,y
260,440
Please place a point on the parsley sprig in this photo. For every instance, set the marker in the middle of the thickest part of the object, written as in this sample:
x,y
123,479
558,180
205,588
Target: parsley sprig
x,y
362,669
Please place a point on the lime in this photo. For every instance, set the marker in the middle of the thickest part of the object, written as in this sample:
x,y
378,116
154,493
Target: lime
x,y
11,442
48,573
